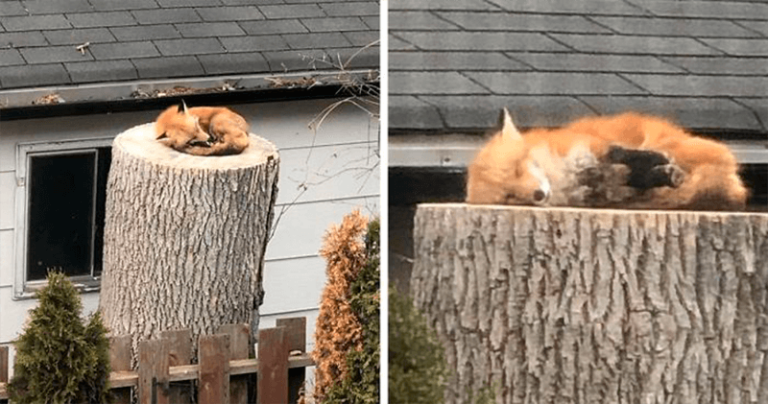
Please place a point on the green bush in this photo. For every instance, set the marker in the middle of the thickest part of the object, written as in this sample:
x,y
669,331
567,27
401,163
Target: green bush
x,y
417,369
362,382
58,358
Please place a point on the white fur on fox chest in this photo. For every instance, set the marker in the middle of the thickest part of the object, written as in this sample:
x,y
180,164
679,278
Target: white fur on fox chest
x,y
561,172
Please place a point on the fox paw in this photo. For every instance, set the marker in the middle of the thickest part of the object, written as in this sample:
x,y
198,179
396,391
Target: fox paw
x,y
201,143
671,175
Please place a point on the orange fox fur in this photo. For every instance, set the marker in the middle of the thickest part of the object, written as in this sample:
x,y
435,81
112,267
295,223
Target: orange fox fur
x,y
531,169
202,131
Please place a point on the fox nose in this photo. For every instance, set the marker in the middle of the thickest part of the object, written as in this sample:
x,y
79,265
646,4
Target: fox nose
x,y
540,196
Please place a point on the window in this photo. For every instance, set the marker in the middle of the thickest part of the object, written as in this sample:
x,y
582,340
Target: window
x,y
753,157
61,192
755,177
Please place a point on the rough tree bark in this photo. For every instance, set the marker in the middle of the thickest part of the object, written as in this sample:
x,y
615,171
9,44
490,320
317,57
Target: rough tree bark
x,y
596,306
184,236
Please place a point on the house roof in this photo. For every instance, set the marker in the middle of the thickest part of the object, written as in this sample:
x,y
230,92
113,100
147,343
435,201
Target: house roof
x,y
453,65
132,40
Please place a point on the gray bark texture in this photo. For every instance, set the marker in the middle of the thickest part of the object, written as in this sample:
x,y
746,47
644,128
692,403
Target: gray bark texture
x,y
184,236
596,306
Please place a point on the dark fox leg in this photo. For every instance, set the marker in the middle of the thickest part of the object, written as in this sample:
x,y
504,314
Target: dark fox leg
x,y
229,144
669,175
648,169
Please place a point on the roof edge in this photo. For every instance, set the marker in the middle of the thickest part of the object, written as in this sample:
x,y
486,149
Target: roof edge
x,y
457,150
86,99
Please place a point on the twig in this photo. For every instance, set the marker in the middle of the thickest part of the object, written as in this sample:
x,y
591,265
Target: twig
x,y
83,47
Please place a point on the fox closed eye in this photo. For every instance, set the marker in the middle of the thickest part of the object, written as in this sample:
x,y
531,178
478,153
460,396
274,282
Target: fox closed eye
x,y
519,171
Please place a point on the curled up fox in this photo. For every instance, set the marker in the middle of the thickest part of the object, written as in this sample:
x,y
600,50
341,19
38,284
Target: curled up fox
x,y
202,131
623,161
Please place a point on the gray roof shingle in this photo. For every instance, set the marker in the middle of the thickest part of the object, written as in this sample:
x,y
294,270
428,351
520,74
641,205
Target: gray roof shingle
x,y
20,40
179,66
53,54
10,57
454,64
111,70
12,8
33,75
59,6
35,22
146,32
78,36
101,19
243,13
114,5
139,39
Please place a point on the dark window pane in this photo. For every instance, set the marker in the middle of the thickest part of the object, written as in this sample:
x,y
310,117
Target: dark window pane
x,y
61,202
756,179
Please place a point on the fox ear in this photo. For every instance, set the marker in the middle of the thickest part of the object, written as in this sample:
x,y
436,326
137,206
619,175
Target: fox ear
x,y
508,128
182,107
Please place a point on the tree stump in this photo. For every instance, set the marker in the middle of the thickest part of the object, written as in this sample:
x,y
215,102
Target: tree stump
x,y
596,306
184,236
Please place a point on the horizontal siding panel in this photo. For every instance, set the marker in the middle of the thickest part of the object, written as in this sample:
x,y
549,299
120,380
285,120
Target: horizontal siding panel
x,y
346,124
328,172
300,231
7,196
6,258
14,312
292,285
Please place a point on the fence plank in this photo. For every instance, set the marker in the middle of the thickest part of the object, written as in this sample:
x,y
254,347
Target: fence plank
x,y
3,371
179,354
190,372
214,369
153,364
239,342
296,328
273,366
120,361
4,364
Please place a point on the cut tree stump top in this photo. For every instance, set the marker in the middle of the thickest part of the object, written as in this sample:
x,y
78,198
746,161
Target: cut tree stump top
x,y
140,141
581,210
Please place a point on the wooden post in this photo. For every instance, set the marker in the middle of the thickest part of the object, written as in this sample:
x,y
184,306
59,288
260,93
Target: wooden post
x,y
239,346
184,236
594,306
179,353
4,364
153,371
120,361
296,328
273,366
4,370
213,387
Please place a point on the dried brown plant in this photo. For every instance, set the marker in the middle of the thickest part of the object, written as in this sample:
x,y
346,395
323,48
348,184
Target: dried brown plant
x,y
338,330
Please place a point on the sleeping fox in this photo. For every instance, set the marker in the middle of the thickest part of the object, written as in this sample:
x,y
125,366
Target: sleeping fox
x,y
202,131
624,161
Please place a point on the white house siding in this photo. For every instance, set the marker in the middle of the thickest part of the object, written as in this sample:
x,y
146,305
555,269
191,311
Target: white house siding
x,y
340,168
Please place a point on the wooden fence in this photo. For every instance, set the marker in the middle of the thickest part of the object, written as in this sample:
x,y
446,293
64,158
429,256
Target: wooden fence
x,y
223,374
